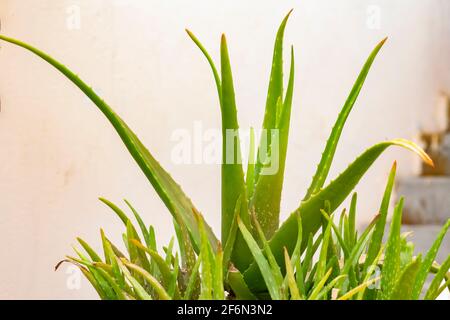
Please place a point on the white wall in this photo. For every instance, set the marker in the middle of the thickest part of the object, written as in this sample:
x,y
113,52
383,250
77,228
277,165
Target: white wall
x,y
58,154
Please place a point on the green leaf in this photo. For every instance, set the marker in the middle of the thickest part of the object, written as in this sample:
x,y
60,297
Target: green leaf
x,y
377,237
330,286
229,244
94,283
267,194
275,268
169,251
238,285
357,250
94,256
207,267
330,149
139,290
432,291
295,258
121,295
337,232
261,262
391,265
336,192
119,212
404,286
163,267
141,224
358,289
106,288
111,258
428,261
210,61
310,251
322,263
136,256
179,205
194,280
352,220
218,278
369,270
274,93
173,289
186,247
320,284
295,293
233,184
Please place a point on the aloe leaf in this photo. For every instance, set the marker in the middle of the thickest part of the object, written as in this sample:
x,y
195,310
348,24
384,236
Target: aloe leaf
x,y
207,266
168,251
404,287
136,256
91,252
193,282
163,267
119,212
266,198
94,283
330,286
218,293
391,263
337,233
428,261
187,251
88,275
377,237
276,272
296,261
173,288
238,285
352,220
121,295
358,289
295,293
322,263
102,282
140,222
274,93
261,262
233,184
310,251
229,244
179,205
320,284
368,272
210,61
138,288
336,192
109,252
432,291
330,149
359,247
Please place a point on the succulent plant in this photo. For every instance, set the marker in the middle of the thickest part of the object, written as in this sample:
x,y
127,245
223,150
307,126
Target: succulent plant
x,y
255,256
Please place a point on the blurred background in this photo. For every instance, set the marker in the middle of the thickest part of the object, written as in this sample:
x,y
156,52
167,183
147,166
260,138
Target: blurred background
x,y
58,153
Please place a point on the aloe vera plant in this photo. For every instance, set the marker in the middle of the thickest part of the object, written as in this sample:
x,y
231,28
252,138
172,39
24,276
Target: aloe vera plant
x,y
255,256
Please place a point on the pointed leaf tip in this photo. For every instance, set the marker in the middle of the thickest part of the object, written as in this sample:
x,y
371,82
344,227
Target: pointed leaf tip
x,y
415,148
